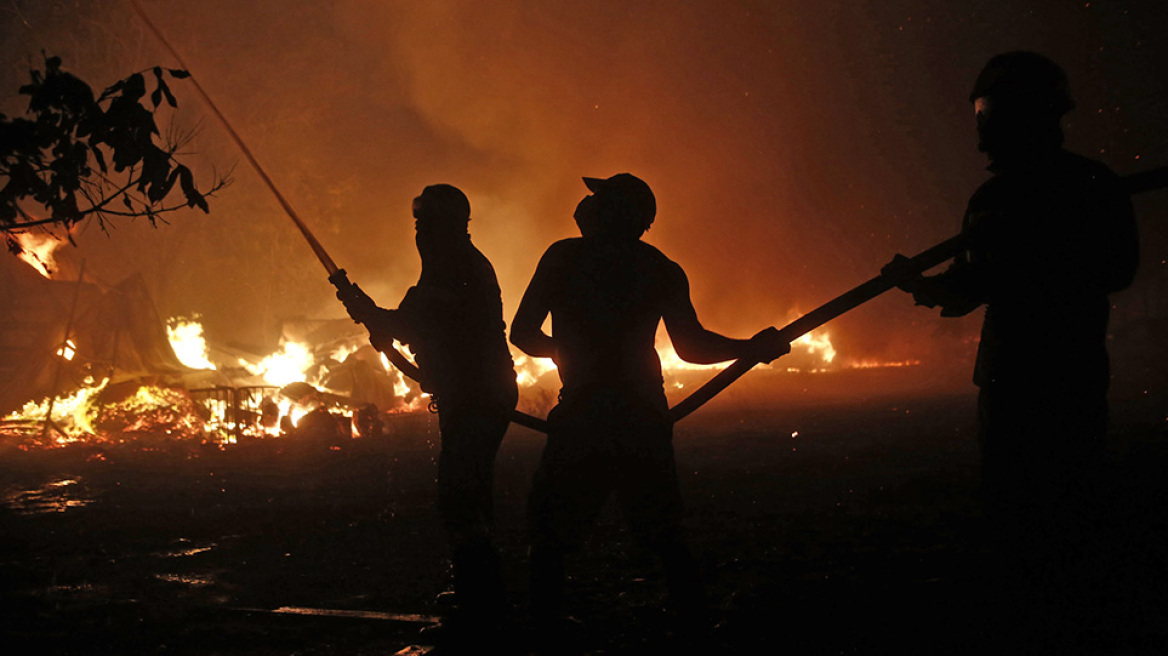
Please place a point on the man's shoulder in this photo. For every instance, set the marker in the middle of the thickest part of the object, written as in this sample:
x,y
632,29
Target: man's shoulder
x,y
566,245
1082,162
1081,168
564,250
574,246
658,264
650,253
1064,170
478,258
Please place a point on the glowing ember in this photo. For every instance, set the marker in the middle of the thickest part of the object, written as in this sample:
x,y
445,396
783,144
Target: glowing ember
x,y
150,412
37,250
186,338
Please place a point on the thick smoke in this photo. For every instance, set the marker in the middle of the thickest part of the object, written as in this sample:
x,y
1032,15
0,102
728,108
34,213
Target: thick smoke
x,y
793,147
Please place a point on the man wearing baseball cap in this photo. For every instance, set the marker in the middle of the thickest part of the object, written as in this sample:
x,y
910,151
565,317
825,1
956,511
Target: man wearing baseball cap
x,y
610,435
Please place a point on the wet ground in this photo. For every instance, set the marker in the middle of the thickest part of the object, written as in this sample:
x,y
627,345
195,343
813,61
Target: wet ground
x,y
821,527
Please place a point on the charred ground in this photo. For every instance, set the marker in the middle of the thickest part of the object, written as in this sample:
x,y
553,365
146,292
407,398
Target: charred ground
x,y
822,527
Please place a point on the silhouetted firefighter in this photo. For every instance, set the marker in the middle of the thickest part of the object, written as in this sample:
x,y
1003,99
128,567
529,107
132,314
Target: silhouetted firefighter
x,y
1048,237
453,321
607,292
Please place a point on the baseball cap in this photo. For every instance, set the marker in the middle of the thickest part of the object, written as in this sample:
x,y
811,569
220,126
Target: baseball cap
x,y
630,192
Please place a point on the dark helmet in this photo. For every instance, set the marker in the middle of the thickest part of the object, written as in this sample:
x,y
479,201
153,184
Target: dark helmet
x,y
443,202
1025,76
628,195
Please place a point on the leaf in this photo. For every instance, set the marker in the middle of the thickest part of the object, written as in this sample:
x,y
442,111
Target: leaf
x,y
97,155
112,89
135,87
178,73
169,96
162,187
186,181
156,97
126,202
158,72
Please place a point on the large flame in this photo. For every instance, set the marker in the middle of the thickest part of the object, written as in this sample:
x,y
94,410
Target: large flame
x,y
528,371
69,417
154,413
289,365
412,400
37,250
186,338
817,342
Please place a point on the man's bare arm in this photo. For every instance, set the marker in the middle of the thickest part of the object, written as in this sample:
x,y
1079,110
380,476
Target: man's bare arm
x,y
694,343
527,327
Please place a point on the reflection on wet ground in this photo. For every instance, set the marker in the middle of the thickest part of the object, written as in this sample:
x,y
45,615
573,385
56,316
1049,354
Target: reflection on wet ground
x,y
55,496
79,590
192,580
188,551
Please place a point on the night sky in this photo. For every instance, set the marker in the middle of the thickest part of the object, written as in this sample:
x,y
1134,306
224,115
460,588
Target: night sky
x,y
794,147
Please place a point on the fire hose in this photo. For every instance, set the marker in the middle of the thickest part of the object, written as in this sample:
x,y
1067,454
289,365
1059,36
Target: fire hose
x,y
853,298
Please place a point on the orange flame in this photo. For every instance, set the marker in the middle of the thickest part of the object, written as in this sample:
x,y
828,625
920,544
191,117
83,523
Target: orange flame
x,y
37,250
186,338
286,366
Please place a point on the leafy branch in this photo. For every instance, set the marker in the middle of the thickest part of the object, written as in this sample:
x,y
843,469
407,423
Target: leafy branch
x,y
76,156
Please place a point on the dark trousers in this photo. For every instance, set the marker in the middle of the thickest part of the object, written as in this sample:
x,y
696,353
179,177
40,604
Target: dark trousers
x,y
1042,450
471,436
595,451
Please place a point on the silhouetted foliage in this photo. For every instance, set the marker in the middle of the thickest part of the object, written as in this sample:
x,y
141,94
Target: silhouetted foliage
x,y
76,156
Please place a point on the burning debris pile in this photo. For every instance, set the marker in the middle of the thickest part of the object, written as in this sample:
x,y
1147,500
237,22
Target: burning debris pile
x,y
218,396
85,362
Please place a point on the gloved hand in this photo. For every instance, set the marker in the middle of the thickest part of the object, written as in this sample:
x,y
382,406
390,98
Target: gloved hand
x,y
767,345
358,304
898,269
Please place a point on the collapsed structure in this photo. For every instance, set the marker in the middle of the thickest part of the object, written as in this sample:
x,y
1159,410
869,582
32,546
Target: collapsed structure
x,y
76,354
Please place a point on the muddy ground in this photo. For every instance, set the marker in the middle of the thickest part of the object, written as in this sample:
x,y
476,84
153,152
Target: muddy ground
x,y
822,526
